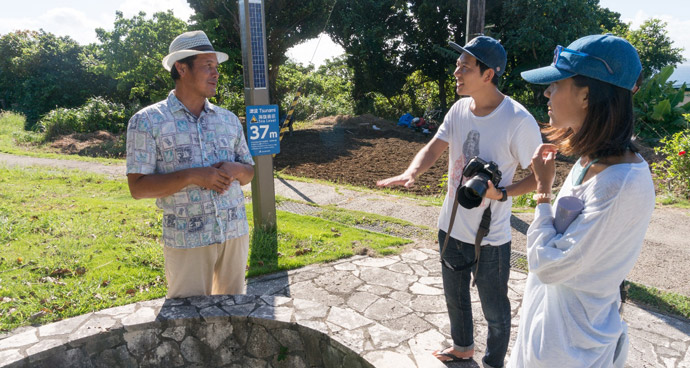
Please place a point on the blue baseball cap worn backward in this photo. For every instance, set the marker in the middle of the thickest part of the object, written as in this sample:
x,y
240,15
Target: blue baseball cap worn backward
x,y
487,50
607,58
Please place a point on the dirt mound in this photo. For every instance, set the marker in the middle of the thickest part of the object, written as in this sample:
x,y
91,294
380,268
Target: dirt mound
x,y
98,144
361,150
357,150
349,121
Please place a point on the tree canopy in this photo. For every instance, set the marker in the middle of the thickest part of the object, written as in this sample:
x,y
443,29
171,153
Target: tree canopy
x,y
288,23
396,58
370,32
432,24
40,71
132,52
653,45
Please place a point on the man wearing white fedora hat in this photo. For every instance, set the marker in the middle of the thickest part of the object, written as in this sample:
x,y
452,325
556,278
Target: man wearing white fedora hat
x,y
193,158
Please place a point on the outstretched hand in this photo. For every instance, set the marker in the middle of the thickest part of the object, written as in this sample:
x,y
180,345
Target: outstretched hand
x,y
403,179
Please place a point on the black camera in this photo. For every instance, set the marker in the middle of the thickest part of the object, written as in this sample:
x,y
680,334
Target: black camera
x,y
480,172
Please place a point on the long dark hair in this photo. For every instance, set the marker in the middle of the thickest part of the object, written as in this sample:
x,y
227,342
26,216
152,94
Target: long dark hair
x,y
608,127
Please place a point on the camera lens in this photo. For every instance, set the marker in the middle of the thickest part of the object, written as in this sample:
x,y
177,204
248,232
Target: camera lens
x,y
477,186
470,195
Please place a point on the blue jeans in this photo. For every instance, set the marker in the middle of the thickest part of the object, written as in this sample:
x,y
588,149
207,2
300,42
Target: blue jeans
x,y
492,285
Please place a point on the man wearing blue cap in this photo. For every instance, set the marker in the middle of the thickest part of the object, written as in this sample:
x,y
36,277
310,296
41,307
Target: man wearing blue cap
x,y
489,125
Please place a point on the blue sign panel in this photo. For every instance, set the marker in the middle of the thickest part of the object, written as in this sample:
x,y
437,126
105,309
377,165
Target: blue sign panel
x,y
263,132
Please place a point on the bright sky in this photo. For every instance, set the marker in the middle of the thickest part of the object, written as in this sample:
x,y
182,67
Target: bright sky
x,y
80,18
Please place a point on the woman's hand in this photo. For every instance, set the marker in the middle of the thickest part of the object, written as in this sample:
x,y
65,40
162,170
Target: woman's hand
x,y
544,167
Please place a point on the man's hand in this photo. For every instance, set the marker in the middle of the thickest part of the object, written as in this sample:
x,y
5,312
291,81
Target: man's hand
x,y
422,161
236,170
163,185
492,192
404,179
213,179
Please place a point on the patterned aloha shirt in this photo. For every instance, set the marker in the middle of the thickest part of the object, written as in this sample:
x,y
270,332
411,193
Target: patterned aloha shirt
x,y
166,137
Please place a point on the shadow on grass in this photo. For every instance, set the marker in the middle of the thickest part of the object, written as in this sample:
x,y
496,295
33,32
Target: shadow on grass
x,y
263,257
663,302
264,276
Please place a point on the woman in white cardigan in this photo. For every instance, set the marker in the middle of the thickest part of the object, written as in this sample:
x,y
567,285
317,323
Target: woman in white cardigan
x,y
570,312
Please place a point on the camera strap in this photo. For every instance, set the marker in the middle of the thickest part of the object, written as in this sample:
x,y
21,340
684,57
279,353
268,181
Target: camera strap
x,y
481,233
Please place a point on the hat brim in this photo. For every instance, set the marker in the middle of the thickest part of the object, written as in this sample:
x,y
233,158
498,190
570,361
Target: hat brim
x,y
170,59
461,49
545,75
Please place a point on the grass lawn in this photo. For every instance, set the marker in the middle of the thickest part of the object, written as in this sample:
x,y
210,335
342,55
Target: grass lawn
x,y
73,243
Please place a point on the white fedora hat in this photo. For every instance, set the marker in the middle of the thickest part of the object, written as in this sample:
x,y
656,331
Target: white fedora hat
x,y
188,44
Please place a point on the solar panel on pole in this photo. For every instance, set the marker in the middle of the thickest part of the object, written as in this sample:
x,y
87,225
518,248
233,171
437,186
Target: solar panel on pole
x,y
253,36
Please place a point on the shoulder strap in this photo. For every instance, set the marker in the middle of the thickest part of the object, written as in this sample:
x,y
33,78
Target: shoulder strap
x,y
584,171
483,230
481,233
450,225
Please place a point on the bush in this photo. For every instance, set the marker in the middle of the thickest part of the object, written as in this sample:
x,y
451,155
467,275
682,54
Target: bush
x,y
97,114
657,106
674,171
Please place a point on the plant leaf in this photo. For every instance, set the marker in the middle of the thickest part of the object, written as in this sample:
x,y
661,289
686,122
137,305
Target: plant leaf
x,y
662,109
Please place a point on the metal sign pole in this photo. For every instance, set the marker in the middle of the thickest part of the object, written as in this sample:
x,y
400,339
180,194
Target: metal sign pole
x,y
253,31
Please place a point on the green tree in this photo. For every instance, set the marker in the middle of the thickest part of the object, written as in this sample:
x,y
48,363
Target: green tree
x,y
653,45
326,90
132,53
659,107
12,68
288,23
40,71
531,29
370,32
434,23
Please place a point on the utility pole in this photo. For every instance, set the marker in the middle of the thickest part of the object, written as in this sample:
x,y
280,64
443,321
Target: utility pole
x,y
475,19
253,31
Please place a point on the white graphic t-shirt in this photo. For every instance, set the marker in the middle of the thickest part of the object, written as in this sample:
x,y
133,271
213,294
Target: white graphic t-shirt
x,y
509,135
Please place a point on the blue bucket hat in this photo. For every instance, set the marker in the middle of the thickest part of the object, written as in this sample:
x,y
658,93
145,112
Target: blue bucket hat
x,y
607,58
487,50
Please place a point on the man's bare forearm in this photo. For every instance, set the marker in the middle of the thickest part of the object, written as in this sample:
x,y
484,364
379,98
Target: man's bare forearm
x,y
526,185
158,185
163,185
426,157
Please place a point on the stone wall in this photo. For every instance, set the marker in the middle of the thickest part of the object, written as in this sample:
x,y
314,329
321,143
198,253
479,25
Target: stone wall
x,y
219,331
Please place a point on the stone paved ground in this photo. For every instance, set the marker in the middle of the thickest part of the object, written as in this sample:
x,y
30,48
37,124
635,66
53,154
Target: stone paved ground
x,y
392,310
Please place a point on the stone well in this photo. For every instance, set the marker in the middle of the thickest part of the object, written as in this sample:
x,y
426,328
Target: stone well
x,y
217,331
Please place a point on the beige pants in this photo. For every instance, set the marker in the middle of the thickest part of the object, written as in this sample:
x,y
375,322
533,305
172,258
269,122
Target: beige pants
x,y
210,270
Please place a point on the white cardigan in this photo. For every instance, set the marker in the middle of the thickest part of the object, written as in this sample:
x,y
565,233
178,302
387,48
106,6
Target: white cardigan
x,y
569,315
